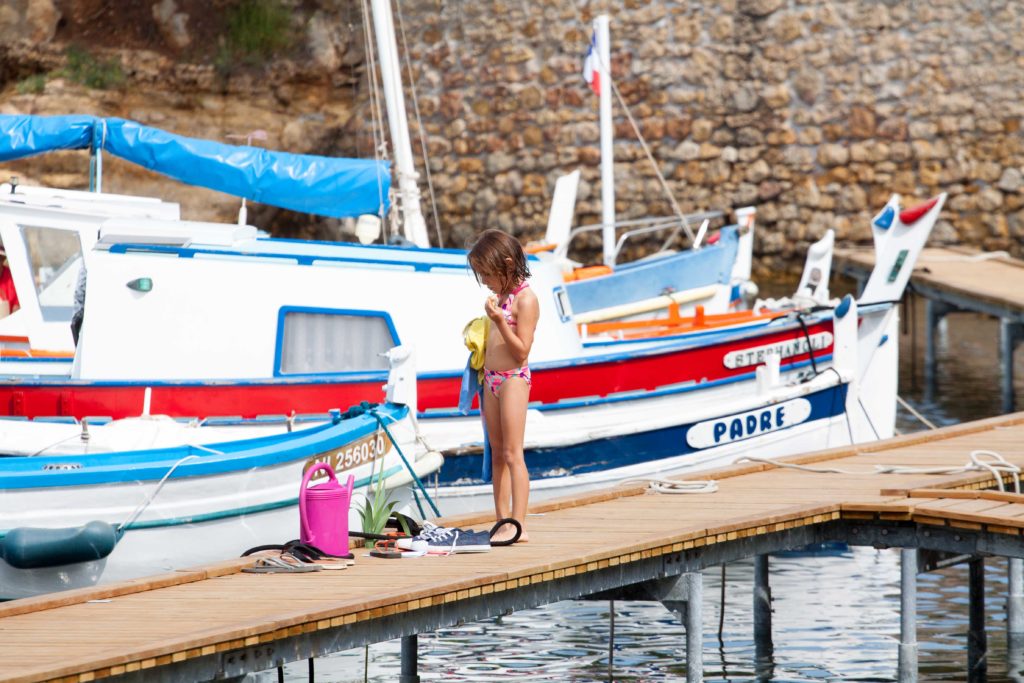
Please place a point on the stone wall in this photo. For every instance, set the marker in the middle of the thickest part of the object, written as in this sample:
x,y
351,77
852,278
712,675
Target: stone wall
x,y
813,111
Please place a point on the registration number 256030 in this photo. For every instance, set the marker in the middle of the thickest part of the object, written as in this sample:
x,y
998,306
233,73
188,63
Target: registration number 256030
x,y
359,452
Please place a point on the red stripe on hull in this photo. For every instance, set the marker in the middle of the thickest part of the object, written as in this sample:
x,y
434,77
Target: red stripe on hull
x,y
700,364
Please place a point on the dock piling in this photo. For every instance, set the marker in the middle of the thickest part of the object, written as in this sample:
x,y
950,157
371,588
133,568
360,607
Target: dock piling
x,y
934,312
1015,615
1015,600
686,597
908,616
977,643
611,639
763,647
410,660
1010,335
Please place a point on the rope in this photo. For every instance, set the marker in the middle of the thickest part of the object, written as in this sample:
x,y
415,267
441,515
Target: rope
x,y
650,157
375,111
980,460
919,416
675,486
419,124
419,483
138,511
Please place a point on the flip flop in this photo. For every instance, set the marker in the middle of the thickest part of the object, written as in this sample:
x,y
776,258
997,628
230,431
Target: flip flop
x,y
502,522
313,555
275,565
301,559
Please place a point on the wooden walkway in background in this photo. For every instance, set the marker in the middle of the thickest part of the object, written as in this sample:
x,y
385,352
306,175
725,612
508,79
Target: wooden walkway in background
x,y
959,279
217,621
974,280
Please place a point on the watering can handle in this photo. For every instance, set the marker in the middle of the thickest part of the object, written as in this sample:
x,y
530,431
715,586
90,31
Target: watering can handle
x,y
302,491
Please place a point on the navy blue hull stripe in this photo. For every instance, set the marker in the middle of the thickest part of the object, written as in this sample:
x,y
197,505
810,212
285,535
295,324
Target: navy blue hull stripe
x,y
630,449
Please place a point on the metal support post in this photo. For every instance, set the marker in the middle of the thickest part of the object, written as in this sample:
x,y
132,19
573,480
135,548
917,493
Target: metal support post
x,y
1015,615
1015,602
1009,337
934,312
686,597
762,612
977,643
694,627
410,660
908,616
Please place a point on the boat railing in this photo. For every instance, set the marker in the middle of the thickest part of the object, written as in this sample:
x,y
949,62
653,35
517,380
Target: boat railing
x,y
647,226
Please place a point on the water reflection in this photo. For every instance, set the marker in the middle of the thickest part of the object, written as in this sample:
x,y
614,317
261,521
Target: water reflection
x,y
835,616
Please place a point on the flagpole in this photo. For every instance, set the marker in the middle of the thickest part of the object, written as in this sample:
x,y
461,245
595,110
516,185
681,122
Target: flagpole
x,y
607,156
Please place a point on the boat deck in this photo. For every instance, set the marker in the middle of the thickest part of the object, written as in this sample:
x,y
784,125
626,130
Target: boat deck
x,y
218,622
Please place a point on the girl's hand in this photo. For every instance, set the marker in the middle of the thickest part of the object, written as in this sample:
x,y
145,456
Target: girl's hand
x,y
492,310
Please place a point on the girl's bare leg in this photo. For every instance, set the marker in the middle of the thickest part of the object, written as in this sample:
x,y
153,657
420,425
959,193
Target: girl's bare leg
x,y
513,397
500,480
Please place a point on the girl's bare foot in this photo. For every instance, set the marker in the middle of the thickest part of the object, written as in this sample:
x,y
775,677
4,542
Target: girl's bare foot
x,y
506,533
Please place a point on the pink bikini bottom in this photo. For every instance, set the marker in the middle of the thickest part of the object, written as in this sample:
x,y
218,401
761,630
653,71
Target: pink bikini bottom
x,y
495,378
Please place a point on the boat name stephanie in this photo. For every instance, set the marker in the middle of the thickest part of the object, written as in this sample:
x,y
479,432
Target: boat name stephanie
x,y
785,349
745,425
360,452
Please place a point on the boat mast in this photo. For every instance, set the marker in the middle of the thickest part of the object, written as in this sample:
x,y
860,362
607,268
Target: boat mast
x,y
413,225
607,156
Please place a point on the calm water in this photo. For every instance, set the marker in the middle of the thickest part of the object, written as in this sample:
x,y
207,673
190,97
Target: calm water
x,y
836,616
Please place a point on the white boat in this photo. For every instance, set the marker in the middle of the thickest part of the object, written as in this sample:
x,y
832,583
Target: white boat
x,y
82,502
259,326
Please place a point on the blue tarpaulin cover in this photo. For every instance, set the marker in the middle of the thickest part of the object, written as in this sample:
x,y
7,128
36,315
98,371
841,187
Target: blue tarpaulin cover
x,y
320,185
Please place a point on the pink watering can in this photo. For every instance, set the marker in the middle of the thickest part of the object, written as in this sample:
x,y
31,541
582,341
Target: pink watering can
x,y
323,511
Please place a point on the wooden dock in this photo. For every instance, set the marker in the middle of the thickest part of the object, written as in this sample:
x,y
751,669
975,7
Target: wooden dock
x,y
958,279
216,623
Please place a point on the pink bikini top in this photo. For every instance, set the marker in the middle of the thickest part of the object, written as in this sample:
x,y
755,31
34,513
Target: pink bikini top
x,y
506,307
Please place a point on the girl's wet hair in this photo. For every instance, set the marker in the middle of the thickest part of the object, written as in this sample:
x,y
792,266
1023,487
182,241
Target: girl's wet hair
x,y
487,255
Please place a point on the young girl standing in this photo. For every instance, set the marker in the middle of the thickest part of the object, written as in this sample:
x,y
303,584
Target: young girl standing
x,y
498,261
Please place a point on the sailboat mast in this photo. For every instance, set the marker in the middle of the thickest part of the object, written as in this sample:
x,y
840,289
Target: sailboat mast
x,y
413,225
607,156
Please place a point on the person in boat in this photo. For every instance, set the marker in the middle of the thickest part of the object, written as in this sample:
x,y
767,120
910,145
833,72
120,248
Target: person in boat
x,y
78,314
499,263
8,294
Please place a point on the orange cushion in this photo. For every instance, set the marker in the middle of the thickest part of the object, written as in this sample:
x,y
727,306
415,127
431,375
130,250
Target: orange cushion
x,y
587,272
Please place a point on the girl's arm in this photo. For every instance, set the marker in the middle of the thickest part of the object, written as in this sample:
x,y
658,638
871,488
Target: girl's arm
x,y
520,339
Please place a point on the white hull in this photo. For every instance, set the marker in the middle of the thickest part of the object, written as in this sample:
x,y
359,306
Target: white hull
x,y
193,519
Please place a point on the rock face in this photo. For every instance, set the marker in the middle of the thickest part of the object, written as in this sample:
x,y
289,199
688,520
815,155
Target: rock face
x,y
29,21
814,112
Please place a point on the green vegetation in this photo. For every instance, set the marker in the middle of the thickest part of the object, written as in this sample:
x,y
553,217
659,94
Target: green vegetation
x,y
378,506
91,71
33,85
258,29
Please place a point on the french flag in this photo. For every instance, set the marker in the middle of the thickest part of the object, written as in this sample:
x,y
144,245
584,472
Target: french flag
x,y
591,74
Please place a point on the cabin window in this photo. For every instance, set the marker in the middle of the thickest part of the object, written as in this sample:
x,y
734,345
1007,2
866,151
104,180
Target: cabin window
x,y
333,341
55,257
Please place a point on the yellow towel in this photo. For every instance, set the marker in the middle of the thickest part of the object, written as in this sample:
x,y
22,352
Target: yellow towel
x,y
474,334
